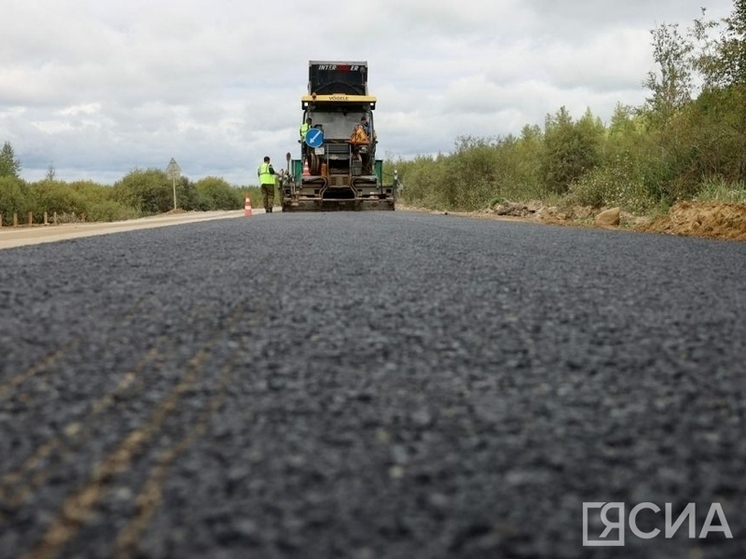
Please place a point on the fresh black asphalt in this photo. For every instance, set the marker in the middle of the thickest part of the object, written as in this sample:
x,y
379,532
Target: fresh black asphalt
x,y
369,386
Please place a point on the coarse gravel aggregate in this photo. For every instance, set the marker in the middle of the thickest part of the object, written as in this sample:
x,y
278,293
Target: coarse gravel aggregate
x,y
369,386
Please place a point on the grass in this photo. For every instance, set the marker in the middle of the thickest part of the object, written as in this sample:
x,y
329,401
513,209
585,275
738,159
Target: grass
x,y
717,190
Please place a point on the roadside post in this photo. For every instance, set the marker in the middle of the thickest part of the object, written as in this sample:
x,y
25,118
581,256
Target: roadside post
x,y
174,171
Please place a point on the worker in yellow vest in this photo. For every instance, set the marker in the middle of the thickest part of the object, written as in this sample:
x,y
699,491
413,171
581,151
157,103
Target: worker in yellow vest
x,y
267,184
305,127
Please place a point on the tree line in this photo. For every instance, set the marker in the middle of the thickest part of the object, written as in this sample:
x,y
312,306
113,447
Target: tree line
x,y
141,192
688,140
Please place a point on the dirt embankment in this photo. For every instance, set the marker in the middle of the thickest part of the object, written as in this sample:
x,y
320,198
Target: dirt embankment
x,y
699,219
702,219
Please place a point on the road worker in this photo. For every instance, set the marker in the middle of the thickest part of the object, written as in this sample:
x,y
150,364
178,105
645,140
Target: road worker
x,y
267,179
304,128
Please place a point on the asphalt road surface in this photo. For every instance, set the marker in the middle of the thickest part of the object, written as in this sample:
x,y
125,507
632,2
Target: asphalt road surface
x,y
371,386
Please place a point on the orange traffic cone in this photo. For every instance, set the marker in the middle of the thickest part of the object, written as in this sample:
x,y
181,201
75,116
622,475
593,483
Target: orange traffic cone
x,y
247,207
306,170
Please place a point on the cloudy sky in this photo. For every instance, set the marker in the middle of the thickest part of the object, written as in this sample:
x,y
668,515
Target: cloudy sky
x,y
97,88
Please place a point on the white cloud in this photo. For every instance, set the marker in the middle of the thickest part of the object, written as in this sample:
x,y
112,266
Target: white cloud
x,y
99,88
86,108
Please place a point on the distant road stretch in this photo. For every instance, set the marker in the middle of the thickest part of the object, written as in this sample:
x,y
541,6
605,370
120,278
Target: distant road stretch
x,y
11,237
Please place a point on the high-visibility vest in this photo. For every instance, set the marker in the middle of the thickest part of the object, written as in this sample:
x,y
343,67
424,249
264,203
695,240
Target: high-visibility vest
x,y
359,136
303,129
265,177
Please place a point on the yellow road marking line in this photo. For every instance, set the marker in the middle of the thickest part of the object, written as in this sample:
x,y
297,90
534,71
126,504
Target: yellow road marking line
x,y
69,434
73,429
151,496
77,509
45,363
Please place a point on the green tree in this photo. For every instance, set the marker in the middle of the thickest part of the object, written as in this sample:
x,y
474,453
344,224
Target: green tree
x,y
720,110
474,165
722,59
188,196
571,149
15,198
426,181
671,85
216,193
149,191
671,123
622,123
9,165
54,196
528,154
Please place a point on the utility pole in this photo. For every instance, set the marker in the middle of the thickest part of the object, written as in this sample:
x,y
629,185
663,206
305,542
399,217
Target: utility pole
x,y
174,171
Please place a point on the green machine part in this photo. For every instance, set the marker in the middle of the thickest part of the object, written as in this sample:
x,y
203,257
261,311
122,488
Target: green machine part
x,y
296,168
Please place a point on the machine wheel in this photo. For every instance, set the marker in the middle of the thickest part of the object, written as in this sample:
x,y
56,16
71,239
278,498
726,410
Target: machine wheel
x,y
315,164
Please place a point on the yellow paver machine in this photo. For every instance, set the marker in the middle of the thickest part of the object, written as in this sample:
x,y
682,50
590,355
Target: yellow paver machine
x,y
337,168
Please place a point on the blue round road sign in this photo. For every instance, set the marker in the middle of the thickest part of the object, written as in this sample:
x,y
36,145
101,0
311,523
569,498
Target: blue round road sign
x,y
315,138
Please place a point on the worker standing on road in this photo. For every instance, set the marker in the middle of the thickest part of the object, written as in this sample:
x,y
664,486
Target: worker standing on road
x,y
267,184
